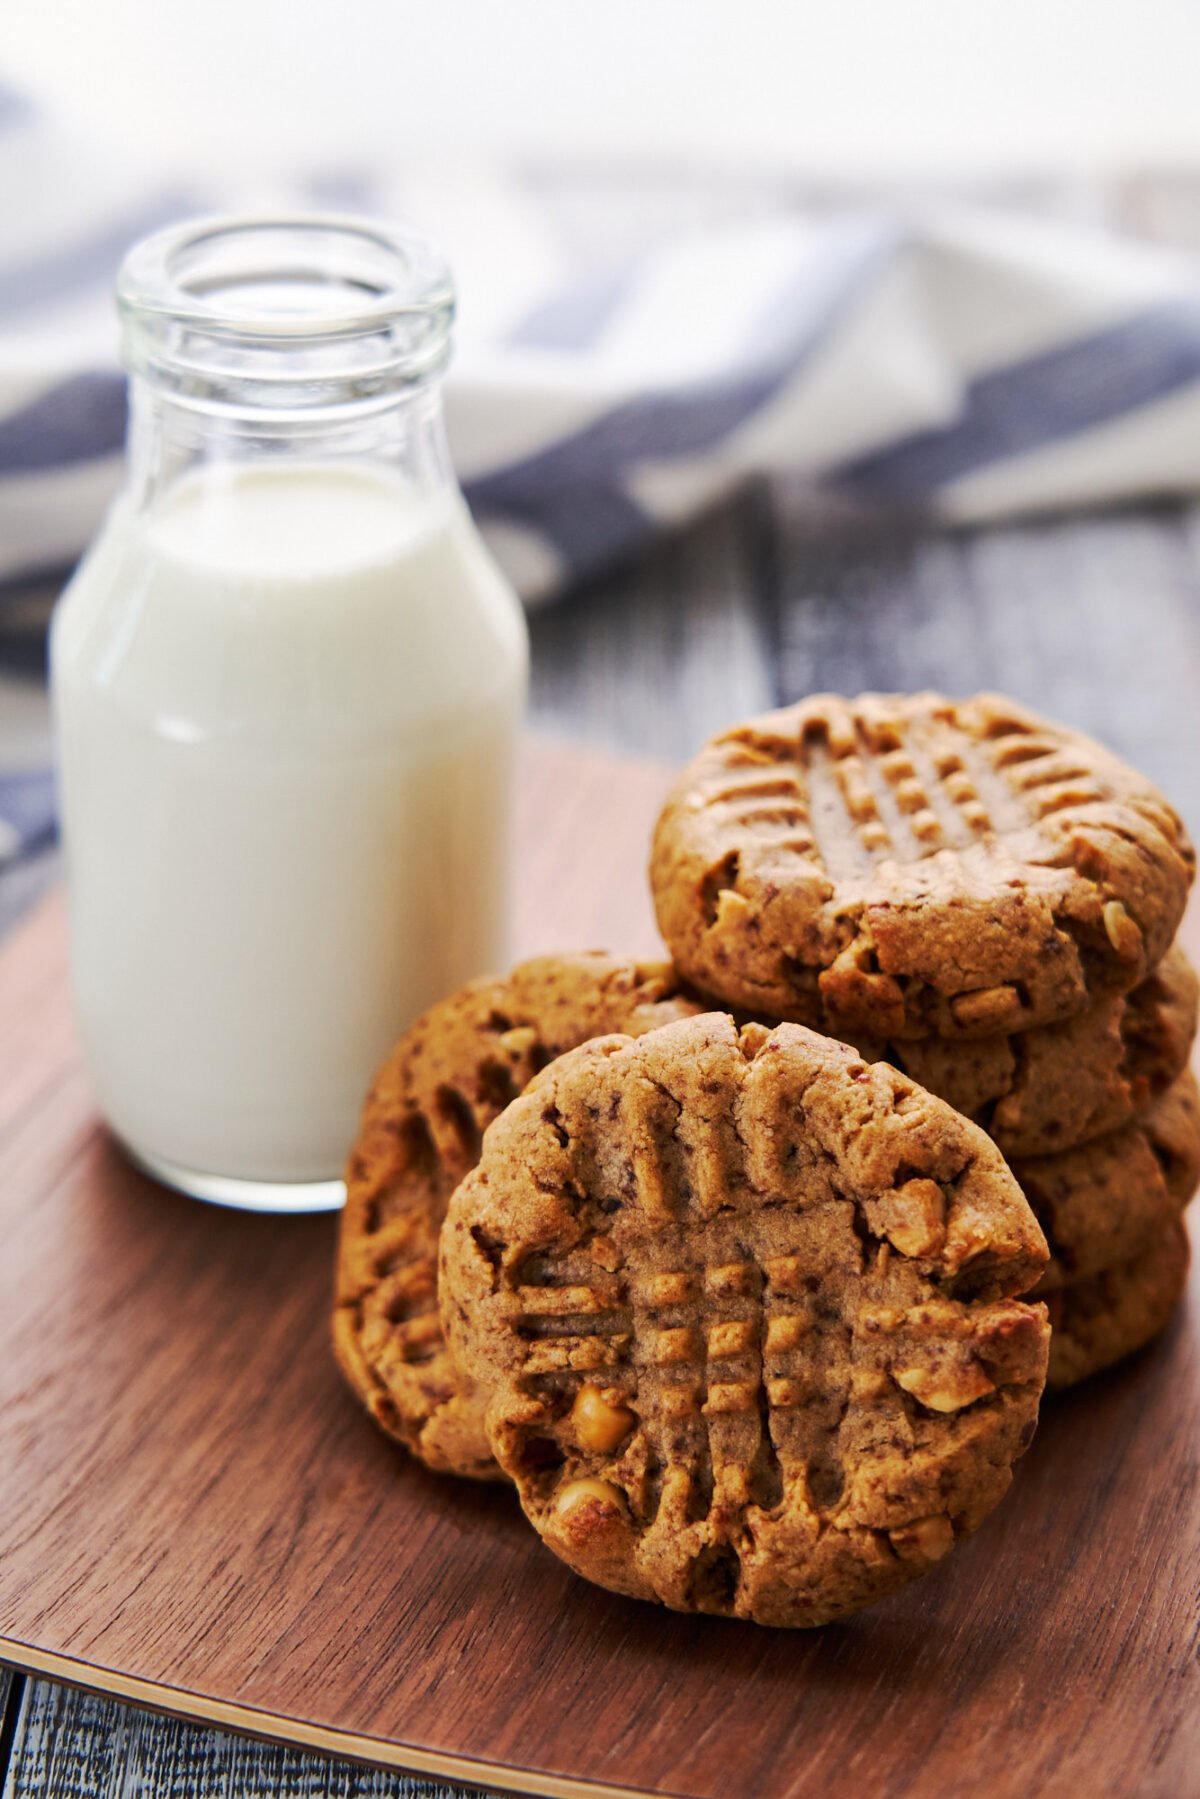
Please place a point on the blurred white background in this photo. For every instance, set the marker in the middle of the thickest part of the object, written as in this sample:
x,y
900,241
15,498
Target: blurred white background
x,y
859,89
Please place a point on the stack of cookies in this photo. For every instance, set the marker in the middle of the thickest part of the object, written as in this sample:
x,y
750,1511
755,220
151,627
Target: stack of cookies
x,y
731,1289
988,902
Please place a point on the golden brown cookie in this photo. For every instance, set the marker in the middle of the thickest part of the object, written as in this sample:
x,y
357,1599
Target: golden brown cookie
x,y
1101,1203
447,1078
912,866
743,1307
1052,1088
1096,1322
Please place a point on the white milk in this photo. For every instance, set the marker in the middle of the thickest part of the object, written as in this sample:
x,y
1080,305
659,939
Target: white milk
x,y
287,702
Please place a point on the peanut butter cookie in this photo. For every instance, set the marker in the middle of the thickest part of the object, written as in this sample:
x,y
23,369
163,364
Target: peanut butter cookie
x,y
1054,1087
912,866
1095,1322
743,1308
1101,1203
430,1102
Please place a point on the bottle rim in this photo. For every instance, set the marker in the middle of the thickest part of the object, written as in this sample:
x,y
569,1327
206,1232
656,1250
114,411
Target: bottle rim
x,y
248,294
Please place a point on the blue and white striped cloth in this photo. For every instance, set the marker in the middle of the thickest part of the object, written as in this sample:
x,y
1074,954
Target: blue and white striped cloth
x,y
620,366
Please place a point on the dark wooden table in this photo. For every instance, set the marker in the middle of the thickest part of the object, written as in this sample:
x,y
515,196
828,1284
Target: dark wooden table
x,y
1095,619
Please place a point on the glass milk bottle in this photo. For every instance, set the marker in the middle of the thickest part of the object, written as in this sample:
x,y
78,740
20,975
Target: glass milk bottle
x,y
287,683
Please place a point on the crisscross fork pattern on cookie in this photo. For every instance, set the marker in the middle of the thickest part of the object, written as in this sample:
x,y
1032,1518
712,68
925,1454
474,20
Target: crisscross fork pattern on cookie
x,y
863,786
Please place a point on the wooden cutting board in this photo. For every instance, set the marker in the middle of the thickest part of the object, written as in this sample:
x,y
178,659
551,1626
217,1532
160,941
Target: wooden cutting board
x,y
195,1515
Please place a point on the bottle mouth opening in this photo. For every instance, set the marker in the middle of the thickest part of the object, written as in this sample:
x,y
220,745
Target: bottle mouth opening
x,y
316,297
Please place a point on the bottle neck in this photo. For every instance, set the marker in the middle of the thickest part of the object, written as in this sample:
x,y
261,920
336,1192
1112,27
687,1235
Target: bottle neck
x,y
303,339
170,436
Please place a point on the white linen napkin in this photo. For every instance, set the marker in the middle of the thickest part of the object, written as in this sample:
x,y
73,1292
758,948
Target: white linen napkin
x,y
618,366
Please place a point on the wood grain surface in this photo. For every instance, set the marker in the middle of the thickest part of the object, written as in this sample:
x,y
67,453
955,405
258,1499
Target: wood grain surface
x,y
194,1514
1094,617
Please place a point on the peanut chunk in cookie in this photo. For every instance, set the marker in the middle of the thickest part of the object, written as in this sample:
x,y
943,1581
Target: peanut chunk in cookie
x,y
599,1494
947,1387
914,1218
600,1421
